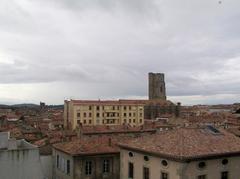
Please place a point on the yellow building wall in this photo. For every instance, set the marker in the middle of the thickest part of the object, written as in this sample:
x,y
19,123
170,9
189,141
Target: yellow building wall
x,y
108,114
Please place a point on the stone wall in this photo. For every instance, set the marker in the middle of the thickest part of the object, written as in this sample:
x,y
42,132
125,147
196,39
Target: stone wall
x,y
157,89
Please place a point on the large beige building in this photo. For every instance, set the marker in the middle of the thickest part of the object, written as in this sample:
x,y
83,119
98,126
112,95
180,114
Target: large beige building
x,y
202,153
97,112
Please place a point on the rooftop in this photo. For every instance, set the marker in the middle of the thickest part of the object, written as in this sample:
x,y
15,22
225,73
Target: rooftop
x,y
108,102
102,129
7,143
91,145
185,144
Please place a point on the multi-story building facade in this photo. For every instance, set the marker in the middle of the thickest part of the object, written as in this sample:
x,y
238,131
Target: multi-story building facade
x,y
87,158
90,112
185,153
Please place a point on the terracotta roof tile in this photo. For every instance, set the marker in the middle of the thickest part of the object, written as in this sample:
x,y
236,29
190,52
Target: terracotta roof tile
x,y
109,102
91,145
187,143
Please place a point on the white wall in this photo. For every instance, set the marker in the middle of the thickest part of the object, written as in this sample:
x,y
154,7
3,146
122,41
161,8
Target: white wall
x,y
20,164
46,163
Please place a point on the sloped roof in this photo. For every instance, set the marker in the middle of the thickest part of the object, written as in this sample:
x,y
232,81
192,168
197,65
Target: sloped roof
x,y
187,144
91,145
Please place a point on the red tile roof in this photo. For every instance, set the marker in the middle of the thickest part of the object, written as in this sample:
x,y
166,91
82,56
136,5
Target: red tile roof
x,y
91,145
187,144
123,102
104,129
109,102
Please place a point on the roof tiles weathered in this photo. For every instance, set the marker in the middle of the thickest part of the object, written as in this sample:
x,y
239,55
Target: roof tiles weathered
x,y
187,144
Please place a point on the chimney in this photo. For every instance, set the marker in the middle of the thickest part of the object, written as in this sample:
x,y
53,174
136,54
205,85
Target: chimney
x,y
79,130
4,137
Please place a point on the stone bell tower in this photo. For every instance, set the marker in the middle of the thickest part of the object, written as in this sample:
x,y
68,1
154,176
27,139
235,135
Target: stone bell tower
x,y
156,86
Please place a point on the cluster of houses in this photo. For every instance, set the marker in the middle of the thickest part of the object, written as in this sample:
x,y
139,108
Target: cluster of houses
x,y
121,139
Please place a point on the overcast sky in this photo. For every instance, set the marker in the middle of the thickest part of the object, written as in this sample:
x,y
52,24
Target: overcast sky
x,y
51,50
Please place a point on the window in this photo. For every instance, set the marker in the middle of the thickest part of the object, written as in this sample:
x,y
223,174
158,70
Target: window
x,y
130,114
130,120
125,120
164,163
224,175
90,121
140,120
88,168
130,108
125,114
78,114
164,175
140,114
130,170
106,166
84,115
97,107
90,115
98,114
84,121
68,167
130,154
202,177
125,108
113,108
201,165
90,107
225,161
145,173
57,161
134,120
146,158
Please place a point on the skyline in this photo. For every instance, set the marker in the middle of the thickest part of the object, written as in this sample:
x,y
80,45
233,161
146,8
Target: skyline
x,y
105,49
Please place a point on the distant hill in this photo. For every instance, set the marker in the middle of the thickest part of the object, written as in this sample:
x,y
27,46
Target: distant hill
x,y
29,105
4,106
26,105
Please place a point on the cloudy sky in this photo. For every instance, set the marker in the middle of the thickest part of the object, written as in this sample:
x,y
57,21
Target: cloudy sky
x,y
51,50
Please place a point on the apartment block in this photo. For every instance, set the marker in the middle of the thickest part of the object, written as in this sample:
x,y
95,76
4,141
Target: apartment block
x,y
98,112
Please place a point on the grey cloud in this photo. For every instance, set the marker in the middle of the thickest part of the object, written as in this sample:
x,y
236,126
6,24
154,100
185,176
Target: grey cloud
x,y
106,48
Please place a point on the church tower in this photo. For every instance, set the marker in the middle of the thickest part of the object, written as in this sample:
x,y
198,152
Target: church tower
x,y
156,86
